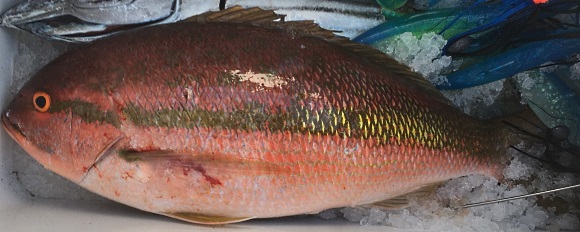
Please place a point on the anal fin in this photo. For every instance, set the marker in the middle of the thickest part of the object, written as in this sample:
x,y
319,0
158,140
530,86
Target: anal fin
x,y
402,201
206,219
395,203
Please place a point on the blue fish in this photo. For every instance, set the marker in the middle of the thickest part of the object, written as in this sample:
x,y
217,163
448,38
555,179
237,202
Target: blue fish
x,y
511,62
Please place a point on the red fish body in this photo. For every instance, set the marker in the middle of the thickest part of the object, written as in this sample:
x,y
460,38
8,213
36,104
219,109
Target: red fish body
x,y
222,122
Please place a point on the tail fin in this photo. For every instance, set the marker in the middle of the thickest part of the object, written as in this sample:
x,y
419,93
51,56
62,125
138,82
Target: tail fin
x,y
526,126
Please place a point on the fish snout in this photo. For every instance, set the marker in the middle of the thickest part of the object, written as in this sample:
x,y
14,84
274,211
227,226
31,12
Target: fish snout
x,y
12,128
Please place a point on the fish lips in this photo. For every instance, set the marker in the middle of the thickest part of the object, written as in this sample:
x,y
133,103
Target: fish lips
x,y
12,129
16,133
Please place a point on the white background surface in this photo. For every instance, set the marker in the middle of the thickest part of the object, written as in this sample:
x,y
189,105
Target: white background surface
x,y
19,212
57,215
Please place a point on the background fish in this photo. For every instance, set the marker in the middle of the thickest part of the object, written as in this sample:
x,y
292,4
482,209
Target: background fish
x,y
84,21
225,122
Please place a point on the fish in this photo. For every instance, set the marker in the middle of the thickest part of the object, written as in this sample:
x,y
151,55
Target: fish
x,y
513,61
81,21
238,114
492,40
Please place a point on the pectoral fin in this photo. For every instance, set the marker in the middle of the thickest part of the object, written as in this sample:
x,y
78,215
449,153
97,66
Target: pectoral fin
x,y
210,163
206,219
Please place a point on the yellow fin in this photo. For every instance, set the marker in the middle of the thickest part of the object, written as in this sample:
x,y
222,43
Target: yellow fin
x,y
394,203
206,219
269,19
402,201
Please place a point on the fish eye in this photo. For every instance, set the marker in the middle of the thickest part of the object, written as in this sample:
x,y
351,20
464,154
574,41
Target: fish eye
x,y
41,101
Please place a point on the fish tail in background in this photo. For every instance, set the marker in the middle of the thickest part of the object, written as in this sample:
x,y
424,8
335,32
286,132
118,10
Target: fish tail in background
x,y
514,61
506,11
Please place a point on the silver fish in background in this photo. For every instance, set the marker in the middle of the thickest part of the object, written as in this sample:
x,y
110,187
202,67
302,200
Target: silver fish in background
x,y
87,20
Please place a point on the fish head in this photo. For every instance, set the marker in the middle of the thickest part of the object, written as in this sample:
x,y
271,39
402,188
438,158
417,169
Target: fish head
x,y
61,122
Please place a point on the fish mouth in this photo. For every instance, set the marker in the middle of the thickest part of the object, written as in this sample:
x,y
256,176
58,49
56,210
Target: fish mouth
x,y
36,152
12,129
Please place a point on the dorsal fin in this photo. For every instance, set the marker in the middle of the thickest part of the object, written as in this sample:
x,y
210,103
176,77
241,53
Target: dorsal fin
x,y
237,14
270,19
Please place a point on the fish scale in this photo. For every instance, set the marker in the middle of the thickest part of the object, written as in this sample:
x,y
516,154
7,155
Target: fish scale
x,y
222,122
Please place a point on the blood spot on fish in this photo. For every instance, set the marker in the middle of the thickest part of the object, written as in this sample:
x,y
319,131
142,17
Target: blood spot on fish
x,y
85,168
208,178
117,193
203,172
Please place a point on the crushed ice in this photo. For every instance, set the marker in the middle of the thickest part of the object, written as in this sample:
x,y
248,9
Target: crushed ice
x,y
439,212
422,54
